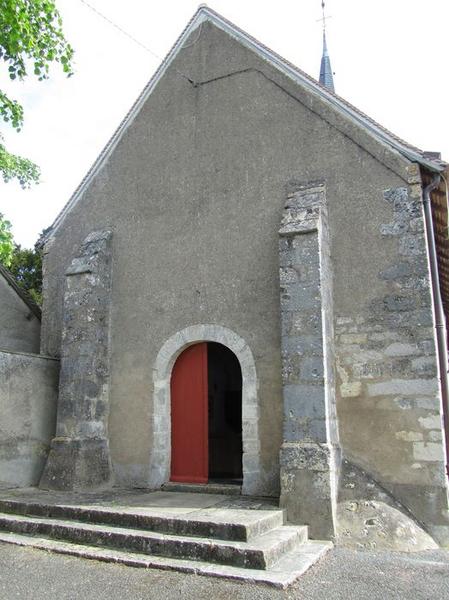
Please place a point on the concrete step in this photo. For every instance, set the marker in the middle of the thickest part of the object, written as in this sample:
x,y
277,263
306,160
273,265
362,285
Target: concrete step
x,y
280,575
217,522
261,552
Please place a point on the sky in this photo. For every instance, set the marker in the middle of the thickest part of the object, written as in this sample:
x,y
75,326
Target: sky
x,y
389,59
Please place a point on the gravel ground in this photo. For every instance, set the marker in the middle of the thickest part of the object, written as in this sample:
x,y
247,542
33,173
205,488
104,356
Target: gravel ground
x,y
27,573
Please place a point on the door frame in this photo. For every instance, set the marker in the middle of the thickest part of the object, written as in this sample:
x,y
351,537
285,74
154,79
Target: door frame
x,y
161,420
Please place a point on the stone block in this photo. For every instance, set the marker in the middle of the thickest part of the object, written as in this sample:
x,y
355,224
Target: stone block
x,y
399,303
351,389
430,403
311,369
353,338
368,371
300,297
431,422
302,400
353,355
425,364
409,436
343,320
308,498
288,275
310,345
417,225
395,228
306,455
318,430
412,245
401,349
305,429
75,464
428,451
398,271
402,386
394,195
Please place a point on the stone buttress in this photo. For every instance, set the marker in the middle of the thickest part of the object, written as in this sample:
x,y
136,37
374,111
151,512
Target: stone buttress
x,y
309,454
79,456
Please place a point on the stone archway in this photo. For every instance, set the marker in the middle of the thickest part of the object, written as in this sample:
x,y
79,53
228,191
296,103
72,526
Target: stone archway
x,y
161,430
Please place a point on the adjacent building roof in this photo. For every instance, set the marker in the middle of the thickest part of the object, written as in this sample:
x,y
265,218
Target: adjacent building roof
x,y
324,92
26,298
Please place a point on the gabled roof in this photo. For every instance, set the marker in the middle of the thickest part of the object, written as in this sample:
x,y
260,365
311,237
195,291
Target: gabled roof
x,y
26,298
340,105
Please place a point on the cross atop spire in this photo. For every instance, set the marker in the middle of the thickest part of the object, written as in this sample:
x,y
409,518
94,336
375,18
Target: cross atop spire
x,y
326,75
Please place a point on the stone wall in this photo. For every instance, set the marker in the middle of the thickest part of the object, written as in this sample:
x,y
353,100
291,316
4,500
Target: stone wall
x,y
28,397
390,410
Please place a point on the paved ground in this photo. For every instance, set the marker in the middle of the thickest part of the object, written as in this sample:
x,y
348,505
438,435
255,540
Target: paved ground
x,y
29,574
194,506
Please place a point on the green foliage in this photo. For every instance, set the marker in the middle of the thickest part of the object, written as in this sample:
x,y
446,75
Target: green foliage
x,y
11,111
26,267
6,242
17,167
24,264
31,38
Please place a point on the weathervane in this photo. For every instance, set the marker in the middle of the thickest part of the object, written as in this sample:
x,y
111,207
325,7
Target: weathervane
x,y
324,17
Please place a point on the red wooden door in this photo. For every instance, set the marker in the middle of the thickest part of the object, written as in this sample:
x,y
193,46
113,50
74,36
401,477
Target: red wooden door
x,y
189,416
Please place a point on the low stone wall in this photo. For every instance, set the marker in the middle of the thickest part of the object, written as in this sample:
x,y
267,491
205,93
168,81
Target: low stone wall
x,y
28,397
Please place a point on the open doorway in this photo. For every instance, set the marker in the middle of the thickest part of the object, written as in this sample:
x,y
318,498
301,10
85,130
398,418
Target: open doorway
x,y
206,415
225,414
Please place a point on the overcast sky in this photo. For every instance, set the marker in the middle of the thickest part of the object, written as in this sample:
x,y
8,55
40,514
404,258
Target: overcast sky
x,y
389,59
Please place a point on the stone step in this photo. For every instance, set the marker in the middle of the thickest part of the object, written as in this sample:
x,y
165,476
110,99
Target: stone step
x,y
225,489
237,524
261,552
282,574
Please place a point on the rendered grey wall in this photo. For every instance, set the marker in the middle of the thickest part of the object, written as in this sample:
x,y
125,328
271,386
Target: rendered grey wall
x,y
194,193
28,396
19,327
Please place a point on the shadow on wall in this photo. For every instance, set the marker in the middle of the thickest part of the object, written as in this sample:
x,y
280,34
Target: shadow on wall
x,y
370,518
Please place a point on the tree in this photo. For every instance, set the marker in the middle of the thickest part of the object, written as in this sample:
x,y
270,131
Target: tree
x,y
31,38
26,268
6,242
24,264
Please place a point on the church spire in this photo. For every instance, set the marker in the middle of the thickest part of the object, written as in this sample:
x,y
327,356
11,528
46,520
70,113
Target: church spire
x,y
326,76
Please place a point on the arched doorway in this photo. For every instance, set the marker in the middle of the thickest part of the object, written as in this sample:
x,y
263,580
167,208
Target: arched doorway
x,y
160,458
206,415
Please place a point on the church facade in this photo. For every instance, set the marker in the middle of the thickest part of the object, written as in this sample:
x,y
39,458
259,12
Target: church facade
x,y
245,290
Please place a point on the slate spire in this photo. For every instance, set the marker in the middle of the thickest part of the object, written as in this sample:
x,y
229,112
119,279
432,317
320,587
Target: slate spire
x,y
326,75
